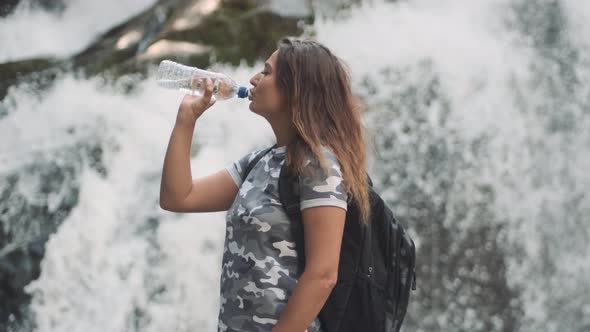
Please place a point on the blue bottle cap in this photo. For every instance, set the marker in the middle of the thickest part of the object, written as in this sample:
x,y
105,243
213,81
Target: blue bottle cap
x,y
243,92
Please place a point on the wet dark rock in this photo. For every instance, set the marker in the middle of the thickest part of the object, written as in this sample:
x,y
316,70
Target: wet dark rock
x,y
39,73
120,45
7,7
17,268
24,232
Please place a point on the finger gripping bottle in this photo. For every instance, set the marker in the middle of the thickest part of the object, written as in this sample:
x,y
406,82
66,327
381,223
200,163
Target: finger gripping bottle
x,y
174,75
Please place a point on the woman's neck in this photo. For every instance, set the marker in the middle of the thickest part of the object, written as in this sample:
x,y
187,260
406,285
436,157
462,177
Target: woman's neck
x,y
283,129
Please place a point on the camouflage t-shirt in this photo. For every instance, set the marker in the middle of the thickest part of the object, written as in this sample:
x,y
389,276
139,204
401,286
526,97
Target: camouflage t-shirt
x,y
260,267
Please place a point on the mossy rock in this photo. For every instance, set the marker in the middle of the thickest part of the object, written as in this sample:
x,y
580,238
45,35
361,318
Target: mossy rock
x,y
39,72
237,35
235,31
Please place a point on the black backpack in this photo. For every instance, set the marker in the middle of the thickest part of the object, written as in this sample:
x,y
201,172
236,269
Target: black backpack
x,y
376,269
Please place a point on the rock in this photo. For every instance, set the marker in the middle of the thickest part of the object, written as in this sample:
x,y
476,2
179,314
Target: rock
x,y
18,267
9,6
193,32
39,72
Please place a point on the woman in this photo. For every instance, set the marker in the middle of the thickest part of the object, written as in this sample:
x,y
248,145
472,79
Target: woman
x,y
304,93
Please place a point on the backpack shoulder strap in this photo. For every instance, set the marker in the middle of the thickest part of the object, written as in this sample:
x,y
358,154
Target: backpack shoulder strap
x,y
255,161
289,197
289,192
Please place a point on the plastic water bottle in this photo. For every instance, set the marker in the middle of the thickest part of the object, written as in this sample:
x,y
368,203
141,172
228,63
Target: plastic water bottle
x,y
174,75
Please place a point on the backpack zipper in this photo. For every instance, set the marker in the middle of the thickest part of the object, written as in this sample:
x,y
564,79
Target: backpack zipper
x,y
397,272
414,267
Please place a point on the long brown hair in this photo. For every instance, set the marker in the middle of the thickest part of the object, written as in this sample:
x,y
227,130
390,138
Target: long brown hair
x,y
316,89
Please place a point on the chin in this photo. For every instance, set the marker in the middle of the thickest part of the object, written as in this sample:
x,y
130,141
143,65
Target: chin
x,y
253,108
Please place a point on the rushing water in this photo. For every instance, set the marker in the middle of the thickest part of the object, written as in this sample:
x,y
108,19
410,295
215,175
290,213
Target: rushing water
x,y
479,118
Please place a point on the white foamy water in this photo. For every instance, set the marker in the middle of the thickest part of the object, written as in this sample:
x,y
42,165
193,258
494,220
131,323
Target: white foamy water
x,y
38,33
107,269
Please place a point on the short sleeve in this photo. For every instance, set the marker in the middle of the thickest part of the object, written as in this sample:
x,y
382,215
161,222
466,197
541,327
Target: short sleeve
x,y
318,188
237,168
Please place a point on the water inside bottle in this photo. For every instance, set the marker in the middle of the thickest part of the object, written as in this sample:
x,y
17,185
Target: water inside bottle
x,y
184,85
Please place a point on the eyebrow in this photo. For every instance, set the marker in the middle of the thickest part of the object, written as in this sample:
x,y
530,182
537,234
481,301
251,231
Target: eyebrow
x,y
267,64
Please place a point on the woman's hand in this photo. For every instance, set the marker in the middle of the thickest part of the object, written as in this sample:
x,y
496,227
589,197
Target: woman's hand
x,y
192,107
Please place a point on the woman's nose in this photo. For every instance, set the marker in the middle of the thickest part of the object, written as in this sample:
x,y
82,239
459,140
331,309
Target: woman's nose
x,y
254,80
